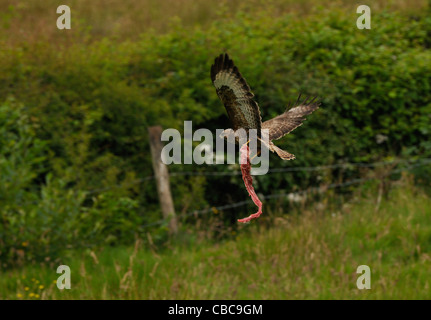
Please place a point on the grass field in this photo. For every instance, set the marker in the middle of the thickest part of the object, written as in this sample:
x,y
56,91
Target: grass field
x,y
28,22
312,255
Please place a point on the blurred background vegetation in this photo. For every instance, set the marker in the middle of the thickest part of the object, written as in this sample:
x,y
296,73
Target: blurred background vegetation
x,y
76,104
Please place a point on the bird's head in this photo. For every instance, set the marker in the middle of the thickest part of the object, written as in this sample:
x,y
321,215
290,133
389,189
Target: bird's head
x,y
233,136
227,133
239,136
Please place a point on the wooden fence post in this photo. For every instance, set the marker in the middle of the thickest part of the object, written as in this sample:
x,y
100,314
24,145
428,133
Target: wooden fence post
x,y
162,178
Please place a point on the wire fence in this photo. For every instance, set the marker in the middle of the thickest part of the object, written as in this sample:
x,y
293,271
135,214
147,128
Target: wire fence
x,y
346,165
410,164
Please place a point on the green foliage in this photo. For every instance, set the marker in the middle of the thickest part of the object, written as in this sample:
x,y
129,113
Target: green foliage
x,y
42,214
79,150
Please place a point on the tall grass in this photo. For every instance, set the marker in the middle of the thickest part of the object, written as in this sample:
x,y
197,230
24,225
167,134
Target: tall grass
x,y
313,254
30,21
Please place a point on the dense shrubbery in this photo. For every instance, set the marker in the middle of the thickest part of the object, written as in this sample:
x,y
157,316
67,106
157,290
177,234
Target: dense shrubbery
x,y
41,212
71,158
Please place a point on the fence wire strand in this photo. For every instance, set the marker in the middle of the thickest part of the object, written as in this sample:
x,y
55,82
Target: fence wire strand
x,y
346,165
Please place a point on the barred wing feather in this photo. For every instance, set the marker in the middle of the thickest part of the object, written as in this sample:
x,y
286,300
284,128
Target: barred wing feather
x,y
235,94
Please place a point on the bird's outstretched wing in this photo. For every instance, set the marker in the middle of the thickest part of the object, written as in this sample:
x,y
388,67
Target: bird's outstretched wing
x,y
235,94
291,119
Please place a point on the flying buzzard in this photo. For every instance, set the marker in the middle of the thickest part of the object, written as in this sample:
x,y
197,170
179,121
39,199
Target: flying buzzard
x,y
244,113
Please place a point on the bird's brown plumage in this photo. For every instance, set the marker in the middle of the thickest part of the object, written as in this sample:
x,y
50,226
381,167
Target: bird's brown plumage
x,y
235,94
291,119
244,112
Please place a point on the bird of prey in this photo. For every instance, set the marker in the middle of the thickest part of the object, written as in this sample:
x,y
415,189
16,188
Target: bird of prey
x,y
244,113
